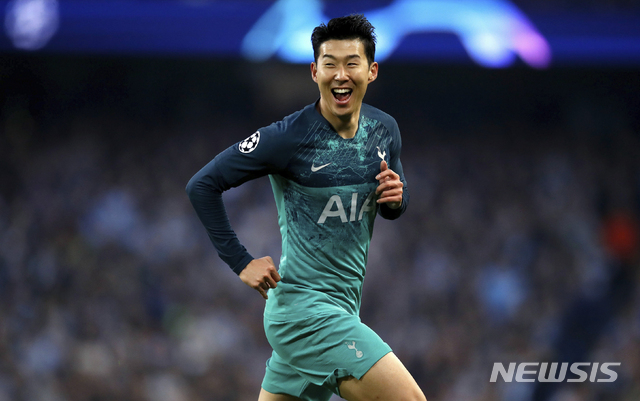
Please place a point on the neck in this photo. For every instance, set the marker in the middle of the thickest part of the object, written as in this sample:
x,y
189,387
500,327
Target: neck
x,y
346,126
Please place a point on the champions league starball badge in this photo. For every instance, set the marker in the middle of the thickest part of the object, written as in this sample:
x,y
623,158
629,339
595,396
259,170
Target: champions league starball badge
x,y
249,144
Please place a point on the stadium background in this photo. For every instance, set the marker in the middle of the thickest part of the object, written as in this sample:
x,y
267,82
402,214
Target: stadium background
x,y
520,243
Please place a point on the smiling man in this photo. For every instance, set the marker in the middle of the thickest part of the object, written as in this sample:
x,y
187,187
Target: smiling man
x,y
343,69
333,166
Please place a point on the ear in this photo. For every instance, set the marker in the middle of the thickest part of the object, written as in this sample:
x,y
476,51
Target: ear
x,y
314,72
373,71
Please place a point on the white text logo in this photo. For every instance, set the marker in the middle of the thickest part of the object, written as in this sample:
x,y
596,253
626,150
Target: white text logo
x,y
335,208
545,372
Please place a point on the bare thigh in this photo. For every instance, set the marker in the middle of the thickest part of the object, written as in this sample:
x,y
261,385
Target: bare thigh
x,y
387,380
267,396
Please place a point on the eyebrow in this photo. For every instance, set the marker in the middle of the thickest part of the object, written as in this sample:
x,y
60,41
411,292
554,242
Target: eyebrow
x,y
334,58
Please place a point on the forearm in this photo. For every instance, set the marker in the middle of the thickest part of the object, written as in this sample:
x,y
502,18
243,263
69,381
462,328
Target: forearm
x,y
205,194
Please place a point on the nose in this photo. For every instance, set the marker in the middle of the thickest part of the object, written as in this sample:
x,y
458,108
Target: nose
x,y
341,74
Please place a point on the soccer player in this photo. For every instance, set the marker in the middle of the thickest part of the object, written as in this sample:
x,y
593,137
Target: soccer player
x,y
333,166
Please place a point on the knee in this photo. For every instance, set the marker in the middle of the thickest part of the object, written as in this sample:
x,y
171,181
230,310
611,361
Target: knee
x,y
411,394
416,395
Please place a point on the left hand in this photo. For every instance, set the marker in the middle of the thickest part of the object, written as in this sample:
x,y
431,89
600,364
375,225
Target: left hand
x,y
390,189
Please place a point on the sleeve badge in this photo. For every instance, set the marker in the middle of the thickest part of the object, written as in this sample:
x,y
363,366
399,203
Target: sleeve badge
x,y
249,144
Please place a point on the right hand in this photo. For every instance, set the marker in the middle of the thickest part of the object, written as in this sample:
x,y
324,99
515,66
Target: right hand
x,y
261,274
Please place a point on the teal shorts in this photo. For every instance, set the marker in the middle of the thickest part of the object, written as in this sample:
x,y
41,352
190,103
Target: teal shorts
x,y
310,355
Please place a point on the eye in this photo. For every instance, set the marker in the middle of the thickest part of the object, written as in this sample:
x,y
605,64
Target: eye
x,y
329,65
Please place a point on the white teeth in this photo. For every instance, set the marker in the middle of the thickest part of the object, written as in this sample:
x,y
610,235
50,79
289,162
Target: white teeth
x,y
342,90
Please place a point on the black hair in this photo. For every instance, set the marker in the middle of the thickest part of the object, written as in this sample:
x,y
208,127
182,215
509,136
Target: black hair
x,y
354,26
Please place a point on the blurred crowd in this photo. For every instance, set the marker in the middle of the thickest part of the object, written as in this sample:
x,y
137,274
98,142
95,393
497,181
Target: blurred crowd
x,y
520,244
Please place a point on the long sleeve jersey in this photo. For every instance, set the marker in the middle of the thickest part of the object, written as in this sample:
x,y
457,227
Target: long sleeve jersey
x,y
324,186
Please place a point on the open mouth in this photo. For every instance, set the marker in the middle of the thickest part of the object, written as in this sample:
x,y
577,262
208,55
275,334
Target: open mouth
x,y
342,95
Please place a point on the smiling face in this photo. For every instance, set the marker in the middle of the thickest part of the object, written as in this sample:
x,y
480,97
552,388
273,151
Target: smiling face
x,y
342,74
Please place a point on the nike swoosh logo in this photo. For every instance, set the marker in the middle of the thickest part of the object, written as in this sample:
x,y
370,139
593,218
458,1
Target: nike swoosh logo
x,y
316,168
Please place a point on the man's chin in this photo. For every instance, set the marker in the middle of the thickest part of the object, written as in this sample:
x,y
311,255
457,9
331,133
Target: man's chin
x,y
343,109
343,113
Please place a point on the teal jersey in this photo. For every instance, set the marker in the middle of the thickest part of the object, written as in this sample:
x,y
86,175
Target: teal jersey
x,y
324,186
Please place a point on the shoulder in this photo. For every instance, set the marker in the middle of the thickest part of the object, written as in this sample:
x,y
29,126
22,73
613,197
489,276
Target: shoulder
x,y
383,118
290,126
275,144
